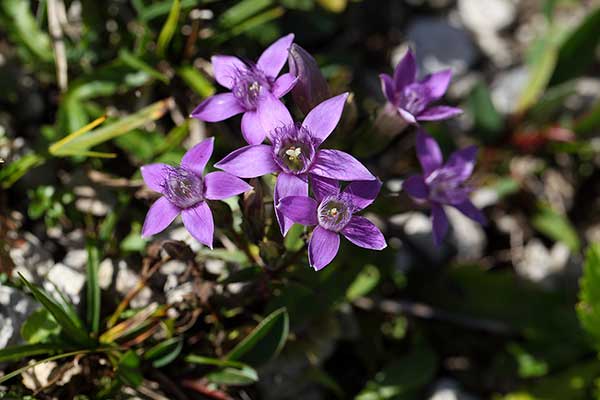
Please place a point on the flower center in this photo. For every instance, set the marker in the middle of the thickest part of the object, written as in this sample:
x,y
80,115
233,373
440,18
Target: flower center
x,y
183,187
413,99
334,213
293,149
248,85
446,187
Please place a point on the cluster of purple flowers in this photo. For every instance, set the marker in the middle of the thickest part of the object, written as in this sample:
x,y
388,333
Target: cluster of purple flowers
x,y
293,150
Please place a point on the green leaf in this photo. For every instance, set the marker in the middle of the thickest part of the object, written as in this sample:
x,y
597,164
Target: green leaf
x,y
25,29
578,50
196,80
195,359
168,30
93,288
165,352
529,365
39,326
256,21
265,341
557,227
82,143
366,281
18,353
242,11
402,376
588,308
128,369
488,121
14,171
233,376
540,71
72,327
137,63
335,6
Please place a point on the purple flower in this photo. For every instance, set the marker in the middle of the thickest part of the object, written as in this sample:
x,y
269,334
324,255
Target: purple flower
x,y
443,184
294,152
333,213
251,85
184,190
311,88
412,98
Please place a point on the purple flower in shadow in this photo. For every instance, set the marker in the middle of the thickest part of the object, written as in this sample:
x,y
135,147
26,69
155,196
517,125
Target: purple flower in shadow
x,y
294,152
412,98
185,190
333,214
251,85
443,184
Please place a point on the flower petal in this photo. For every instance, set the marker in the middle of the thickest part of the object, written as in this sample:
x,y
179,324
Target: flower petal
x,y
300,209
252,130
323,119
439,222
272,113
323,187
364,233
363,193
284,84
437,84
406,71
249,161
472,212
288,185
438,113
416,187
462,162
217,108
274,57
153,175
428,152
387,87
196,158
322,248
335,164
159,216
198,220
221,185
406,116
226,68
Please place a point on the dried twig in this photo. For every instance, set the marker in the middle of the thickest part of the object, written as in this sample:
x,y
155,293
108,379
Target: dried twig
x,y
58,43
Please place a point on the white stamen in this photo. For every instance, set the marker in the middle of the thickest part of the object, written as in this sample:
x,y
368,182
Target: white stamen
x,y
293,153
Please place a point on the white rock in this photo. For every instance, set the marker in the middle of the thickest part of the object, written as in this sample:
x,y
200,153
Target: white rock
x,y
507,88
173,267
15,308
447,389
38,376
76,259
68,280
31,258
543,266
106,270
177,293
467,235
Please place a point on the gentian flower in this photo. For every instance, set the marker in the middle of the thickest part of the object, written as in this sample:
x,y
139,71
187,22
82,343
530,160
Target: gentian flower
x,y
311,88
185,190
333,214
412,98
443,184
250,85
294,152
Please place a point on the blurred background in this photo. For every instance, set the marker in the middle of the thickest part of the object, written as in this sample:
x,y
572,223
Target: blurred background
x,y
509,311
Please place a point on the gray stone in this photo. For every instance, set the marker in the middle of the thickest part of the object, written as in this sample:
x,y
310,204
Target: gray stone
x,y
507,88
69,281
15,308
449,389
467,235
439,45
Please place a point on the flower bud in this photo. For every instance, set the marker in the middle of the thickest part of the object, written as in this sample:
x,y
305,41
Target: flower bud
x,y
311,88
